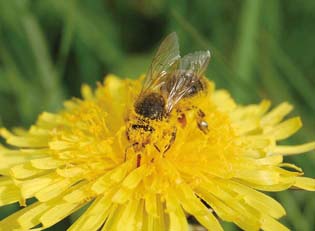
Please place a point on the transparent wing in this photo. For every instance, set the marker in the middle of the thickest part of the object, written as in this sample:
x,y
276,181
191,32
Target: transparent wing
x,y
196,62
163,63
191,68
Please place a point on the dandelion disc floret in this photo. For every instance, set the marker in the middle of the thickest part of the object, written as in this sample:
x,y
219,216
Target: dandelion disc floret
x,y
144,156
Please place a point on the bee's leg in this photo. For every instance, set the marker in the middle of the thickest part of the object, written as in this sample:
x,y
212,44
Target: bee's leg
x,y
173,137
127,148
138,160
203,126
201,122
156,147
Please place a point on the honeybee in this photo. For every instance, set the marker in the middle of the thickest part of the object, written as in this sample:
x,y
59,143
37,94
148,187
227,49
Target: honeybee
x,y
169,79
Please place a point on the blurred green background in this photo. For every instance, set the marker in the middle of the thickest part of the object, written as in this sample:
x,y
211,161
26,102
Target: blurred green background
x,y
260,49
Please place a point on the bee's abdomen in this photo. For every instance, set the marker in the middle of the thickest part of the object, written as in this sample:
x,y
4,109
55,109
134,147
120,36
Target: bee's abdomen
x,y
151,106
195,88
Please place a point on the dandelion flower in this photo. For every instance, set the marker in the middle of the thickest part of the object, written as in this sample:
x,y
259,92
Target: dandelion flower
x,y
210,158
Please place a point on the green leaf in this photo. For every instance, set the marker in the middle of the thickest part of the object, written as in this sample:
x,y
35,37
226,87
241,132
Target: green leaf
x,y
246,51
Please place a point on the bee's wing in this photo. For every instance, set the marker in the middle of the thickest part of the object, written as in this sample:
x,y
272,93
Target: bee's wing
x,y
196,62
164,62
191,67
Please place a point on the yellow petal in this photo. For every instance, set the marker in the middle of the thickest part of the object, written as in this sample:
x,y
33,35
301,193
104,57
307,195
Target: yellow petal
x,y
30,187
256,141
9,159
30,216
94,217
25,170
148,221
259,176
127,219
9,192
305,183
102,184
5,133
223,100
229,210
86,92
209,221
276,115
60,145
270,224
119,172
78,193
151,203
122,195
134,178
286,128
251,111
283,184
139,218
195,207
178,221
48,120
113,218
70,172
255,199
114,85
53,190
189,201
245,126
293,149
57,212
23,219
28,141
270,160
46,163
38,131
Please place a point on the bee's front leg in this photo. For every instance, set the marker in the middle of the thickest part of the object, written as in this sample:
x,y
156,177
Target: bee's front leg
x,y
172,140
128,147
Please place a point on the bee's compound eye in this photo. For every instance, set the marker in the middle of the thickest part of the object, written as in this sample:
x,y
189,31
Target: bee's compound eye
x,y
151,106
